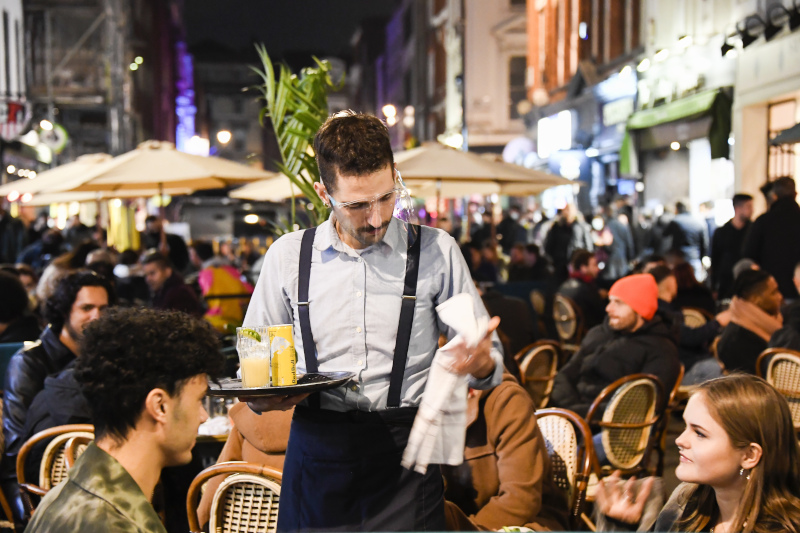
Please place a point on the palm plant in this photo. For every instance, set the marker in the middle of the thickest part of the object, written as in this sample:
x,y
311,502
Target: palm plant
x,y
297,106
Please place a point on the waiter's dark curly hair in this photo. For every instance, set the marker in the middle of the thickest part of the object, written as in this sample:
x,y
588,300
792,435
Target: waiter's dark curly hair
x,y
58,307
126,353
354,144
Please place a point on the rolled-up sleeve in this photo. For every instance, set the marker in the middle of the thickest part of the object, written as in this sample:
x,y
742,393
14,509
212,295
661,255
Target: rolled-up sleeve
x,y
460,281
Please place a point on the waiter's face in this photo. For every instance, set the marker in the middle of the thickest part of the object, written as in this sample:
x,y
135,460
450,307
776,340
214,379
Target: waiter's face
x,y
364,223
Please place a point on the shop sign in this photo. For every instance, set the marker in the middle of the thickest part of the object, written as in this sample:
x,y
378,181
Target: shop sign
x,y
554,133
618,111
13,118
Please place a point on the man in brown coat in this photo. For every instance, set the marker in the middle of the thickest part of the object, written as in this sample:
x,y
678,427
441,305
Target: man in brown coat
x,y
506,478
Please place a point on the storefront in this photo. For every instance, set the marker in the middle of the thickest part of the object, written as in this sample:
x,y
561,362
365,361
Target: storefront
x,y
767,103
682,149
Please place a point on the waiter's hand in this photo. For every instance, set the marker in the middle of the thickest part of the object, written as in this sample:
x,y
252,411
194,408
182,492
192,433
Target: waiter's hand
x,y
273,403
479,362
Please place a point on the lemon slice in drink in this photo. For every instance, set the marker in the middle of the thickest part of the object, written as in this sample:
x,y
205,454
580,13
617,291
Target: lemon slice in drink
x,y
251,334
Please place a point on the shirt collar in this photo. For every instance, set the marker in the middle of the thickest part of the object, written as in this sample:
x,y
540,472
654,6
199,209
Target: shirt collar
x,y
327,237
99,474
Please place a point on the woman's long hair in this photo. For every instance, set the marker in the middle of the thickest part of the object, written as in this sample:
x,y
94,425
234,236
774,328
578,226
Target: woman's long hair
x,y
751,410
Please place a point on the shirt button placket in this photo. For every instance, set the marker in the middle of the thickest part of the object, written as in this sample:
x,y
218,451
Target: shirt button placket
x,y
359,345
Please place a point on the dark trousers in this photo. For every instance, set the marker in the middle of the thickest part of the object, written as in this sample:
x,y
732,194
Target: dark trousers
x,y
342,473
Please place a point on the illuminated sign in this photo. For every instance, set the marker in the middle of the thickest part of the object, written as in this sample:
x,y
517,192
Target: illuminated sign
x,y
554,133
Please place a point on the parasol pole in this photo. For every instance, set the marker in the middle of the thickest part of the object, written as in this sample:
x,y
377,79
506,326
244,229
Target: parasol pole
x,y
439,197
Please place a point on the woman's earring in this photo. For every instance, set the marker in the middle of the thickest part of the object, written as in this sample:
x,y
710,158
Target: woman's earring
x,y
741,473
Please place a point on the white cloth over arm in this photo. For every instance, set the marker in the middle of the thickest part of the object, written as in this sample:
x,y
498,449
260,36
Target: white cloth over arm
x,y
439,430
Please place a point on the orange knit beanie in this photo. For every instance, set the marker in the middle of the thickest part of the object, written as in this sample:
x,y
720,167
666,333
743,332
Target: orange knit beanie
x,y
640,292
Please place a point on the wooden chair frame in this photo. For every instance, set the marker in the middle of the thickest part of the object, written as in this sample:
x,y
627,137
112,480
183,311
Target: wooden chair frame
x,y
526,357
230,467
584,459
652,422
778,355
27,489
672,404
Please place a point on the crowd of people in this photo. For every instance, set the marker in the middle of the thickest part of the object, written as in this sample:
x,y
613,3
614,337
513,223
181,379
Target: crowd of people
x,y
129,340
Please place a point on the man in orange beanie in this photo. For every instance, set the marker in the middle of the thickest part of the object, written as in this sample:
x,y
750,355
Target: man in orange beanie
x,y
631,340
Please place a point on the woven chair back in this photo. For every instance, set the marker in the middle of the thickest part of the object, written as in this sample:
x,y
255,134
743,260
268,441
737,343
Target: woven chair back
x,y
783,373
628,422
245,503
538,368
54,468
693,318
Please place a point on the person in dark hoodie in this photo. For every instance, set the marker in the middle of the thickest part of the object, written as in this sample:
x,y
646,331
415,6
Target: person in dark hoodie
x,y
167,288
581,288
17,323
789,335
633,339
59,403
693,343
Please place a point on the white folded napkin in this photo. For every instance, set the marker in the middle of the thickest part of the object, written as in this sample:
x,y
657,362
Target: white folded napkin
x,y
439,429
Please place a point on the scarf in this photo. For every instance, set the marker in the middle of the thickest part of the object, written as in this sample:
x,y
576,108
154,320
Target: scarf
x,y
753,318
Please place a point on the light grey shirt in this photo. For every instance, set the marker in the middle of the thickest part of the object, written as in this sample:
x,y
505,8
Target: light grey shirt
x,y
354,308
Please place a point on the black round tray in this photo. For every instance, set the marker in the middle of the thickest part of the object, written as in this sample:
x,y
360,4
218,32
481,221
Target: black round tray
x,y
306,383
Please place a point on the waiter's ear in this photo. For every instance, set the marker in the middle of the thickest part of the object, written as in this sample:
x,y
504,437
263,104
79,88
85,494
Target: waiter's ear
x,y
323,194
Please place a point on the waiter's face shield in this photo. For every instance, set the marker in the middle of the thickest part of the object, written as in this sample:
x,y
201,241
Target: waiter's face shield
x,y
367,219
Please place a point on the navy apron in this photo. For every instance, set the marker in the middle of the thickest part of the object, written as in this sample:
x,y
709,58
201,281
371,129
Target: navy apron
x,y
342,470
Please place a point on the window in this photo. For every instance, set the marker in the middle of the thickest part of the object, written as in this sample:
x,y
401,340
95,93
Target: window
x,y
781,158
516,83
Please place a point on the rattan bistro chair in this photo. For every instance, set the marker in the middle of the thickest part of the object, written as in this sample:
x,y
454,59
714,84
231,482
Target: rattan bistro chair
x,y
694,317
631,409
783,373
247,501
569,322
538,365
569,446
53,468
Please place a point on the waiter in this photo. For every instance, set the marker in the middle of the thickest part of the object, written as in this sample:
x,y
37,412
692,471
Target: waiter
x,y
361,291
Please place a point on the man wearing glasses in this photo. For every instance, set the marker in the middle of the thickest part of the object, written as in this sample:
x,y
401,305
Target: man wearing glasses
x,y
361,291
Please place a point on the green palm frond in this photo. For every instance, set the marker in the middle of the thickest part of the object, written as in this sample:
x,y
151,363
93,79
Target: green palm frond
x,y
297,106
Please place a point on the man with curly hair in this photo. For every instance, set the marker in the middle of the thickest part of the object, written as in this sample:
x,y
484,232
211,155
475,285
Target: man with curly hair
x,y
79,298
145,374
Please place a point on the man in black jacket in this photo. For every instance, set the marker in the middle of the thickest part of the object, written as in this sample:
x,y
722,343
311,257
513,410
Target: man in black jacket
x,y
17,323
582,289
689,237
772,241
726,245
168,291
567,234
79,299
632,340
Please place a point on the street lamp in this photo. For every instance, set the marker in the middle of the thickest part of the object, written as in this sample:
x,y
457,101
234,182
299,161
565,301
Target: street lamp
x,y
390,112
224,136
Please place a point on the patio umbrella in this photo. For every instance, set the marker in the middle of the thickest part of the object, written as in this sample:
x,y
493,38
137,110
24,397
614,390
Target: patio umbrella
x,y
51,180
272,189
47,198
437,170
158,165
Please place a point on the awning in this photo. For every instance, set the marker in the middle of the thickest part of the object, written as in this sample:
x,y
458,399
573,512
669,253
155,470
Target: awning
x,y
787,136
706,114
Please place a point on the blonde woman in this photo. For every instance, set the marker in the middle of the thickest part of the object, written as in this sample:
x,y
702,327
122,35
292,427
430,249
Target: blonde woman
x,y
738,464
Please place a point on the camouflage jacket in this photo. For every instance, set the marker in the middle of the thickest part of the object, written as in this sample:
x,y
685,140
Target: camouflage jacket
x,y
98,496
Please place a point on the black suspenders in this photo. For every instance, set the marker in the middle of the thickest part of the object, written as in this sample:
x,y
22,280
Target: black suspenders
x,y
406,310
